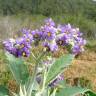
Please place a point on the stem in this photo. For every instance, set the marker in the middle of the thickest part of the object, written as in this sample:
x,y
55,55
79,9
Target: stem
x,y
30,87
33,56
41,92
44,81
54,92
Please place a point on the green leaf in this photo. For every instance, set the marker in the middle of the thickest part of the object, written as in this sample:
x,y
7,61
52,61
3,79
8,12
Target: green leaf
x,y
71,91
18,69
4,91
58,66
90,93
35,86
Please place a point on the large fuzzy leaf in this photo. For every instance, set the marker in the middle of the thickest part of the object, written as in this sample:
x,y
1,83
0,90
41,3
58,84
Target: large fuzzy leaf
x,y
18,69
58,66
72,91
4,91
90,93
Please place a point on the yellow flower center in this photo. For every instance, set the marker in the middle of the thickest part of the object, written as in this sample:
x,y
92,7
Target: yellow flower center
x,y
36,35
49,34
28,40
24,54
22,46
46,48
67,32
60,42
24,35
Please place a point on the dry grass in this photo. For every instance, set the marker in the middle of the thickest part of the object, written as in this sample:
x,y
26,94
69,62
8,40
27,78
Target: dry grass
x,y
85,68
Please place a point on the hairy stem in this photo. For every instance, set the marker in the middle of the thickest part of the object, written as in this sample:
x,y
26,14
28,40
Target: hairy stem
x,y
30,87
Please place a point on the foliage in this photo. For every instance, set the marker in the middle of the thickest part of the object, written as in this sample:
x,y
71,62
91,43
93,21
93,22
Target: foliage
x,y
74,91
18,69
63,91
87,26
49,7
4,77
47,76
61,65
91,45
82,13
3,91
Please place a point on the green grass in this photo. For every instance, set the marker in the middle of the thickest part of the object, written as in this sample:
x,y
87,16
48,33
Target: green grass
x,y
91,45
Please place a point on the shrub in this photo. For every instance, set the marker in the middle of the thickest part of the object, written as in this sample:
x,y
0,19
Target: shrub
x,y
47,78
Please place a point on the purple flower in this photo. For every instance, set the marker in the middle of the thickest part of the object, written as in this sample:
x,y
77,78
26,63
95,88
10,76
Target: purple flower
x,y
46,46
80,41
9,44
56,81
50,46
63,40
21,43
25,31
52,36
23,47
27,35
49,22
37,35
70,36
75,33
49,33
69,30
53,47
19,47
64,28
79,46
25,52
76,49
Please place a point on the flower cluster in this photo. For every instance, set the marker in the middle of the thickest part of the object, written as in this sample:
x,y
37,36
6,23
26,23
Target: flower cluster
x,y
18,48
71,36
49,36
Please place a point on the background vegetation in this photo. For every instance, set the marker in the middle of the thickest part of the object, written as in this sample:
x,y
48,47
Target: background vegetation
x,y
16,14
81,13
